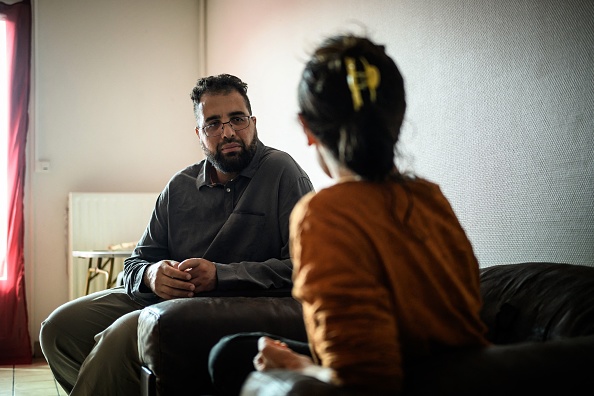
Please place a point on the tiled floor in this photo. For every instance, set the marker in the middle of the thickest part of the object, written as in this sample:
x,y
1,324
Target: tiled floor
x,y
30,380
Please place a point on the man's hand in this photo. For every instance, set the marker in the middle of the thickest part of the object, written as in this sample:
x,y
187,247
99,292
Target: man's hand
x,y
167,281
274,354
203,273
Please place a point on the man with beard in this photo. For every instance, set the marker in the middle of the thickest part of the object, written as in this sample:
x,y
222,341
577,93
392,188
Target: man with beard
x,y
220,224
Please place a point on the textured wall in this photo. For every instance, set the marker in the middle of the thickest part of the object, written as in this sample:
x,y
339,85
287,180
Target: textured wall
x,y
501,104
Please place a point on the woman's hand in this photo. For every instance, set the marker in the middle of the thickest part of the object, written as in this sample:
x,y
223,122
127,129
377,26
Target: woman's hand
x,y
274,354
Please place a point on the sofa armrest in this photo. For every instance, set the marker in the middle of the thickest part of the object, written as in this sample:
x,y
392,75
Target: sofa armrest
x,y
537,301
175,336
558,367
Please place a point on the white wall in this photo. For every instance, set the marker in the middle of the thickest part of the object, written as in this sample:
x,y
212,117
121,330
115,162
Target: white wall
x,y
501,104
111,113
501,108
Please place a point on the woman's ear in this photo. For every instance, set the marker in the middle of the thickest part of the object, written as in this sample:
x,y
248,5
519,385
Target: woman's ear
x,y
311,138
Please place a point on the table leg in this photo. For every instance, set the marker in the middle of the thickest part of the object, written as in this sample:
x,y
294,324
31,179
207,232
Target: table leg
x,y
93,272
89,272
102,267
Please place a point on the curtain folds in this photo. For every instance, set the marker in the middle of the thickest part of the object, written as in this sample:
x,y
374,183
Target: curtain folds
x,y
15,342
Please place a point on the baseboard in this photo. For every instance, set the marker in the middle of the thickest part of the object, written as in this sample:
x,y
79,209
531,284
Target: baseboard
x,y
37,353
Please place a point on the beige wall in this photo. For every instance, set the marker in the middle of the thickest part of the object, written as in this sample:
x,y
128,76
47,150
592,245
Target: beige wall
x,y
501,108
111,113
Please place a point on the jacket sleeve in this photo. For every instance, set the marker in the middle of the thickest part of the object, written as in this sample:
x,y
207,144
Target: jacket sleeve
x,y
346,306
151,248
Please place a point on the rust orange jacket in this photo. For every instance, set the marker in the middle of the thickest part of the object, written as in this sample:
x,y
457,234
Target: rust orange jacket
x,y
386,276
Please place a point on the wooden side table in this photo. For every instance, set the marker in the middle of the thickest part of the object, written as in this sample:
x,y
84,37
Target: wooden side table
x,y
101,263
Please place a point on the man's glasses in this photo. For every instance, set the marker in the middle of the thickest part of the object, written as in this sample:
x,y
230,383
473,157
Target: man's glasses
x,y
216,128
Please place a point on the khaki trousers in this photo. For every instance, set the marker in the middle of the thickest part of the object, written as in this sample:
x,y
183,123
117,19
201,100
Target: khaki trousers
x,y
91,344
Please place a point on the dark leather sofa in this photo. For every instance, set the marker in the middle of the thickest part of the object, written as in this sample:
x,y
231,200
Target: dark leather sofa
x,y
540,318
175,336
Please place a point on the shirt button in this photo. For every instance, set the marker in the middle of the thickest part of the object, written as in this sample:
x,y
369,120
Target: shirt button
x,y
228,189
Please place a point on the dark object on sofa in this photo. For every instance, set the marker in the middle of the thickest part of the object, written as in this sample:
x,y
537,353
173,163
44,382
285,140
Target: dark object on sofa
x,y
540,318
175,336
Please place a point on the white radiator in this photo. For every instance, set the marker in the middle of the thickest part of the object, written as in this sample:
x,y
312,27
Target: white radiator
x,y
98,220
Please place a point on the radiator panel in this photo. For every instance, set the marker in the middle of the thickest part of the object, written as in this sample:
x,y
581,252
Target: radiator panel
x,y
98,220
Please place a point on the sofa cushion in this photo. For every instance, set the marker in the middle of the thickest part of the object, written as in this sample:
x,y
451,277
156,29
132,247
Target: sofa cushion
x,y
537,301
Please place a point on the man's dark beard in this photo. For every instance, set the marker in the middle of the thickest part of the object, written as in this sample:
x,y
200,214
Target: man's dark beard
x,y
232,163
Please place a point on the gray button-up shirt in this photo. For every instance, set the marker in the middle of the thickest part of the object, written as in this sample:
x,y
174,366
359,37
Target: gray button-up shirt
x,y
242,226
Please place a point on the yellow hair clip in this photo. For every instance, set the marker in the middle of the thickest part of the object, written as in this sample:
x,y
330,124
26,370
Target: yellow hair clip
x,y
369,79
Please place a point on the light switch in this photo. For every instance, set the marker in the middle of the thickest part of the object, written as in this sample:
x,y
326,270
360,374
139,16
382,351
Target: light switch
x,y
42,166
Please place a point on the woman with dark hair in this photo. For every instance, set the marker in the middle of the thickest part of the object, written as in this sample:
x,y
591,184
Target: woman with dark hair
x,y
385,272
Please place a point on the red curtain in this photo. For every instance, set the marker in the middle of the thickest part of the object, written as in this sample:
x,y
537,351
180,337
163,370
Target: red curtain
x,y
15,342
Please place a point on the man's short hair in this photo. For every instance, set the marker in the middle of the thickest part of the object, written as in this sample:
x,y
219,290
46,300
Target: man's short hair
x,y
221,84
